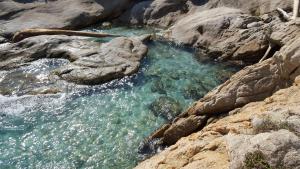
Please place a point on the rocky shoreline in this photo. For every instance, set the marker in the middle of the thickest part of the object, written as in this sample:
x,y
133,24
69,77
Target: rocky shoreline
x,y
252,116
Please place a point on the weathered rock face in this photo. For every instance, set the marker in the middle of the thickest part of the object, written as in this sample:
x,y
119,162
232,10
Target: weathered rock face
x,y
230,142
167,12
91,62
222,33
276,145
158,12
118,58
66,14
254,7
253,83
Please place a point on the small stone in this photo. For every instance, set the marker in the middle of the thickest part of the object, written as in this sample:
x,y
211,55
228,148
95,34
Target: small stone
x,y
254,24
106,25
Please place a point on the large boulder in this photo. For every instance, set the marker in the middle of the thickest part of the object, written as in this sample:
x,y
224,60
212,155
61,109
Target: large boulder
x,y
90,62
223,33
167,12
157,12
258,81
67,14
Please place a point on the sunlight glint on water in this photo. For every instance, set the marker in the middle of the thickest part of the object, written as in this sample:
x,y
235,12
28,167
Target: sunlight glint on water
x,y
103,128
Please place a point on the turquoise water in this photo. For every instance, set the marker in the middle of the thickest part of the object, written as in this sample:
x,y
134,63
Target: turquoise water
x,y
102,126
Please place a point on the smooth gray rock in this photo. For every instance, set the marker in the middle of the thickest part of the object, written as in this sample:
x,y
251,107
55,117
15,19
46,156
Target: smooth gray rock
x,y
221,33
91,62
157,12
280,146
67,14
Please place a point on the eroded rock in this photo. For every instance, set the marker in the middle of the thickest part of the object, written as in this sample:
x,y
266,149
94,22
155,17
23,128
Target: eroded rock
x,y
251,84
91,62
276,146
226,142
167,12
157,12
67,14
222,33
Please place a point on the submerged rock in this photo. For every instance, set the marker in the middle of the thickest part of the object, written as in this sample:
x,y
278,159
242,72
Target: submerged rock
x,y
161,85
90,62
17,83
166,107
195,90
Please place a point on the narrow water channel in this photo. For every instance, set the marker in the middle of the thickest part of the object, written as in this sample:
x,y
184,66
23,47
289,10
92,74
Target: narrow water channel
x,y
101,126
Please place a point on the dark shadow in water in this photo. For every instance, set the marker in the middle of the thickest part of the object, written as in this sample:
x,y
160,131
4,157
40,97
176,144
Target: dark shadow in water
x,y
199,2
25,1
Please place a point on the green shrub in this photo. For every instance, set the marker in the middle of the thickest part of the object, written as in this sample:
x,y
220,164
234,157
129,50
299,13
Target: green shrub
x,y
269,125
257,160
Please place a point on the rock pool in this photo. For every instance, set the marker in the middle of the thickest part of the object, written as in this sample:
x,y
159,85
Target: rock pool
x,y
100,126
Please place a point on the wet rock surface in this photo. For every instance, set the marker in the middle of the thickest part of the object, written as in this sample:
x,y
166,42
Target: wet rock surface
x,y
65,14
90,62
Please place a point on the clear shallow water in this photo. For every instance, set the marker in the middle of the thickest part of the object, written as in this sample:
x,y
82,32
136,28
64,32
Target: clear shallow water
x,y
101,126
